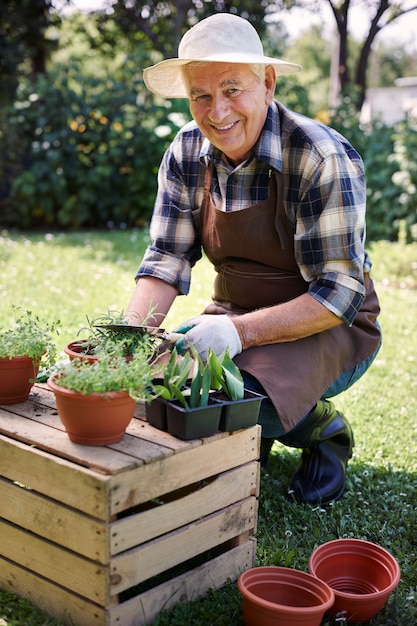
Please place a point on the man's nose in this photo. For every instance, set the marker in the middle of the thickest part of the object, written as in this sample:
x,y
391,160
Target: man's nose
x,y
219,108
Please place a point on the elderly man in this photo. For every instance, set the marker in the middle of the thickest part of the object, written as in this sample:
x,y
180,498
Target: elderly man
x,y
277,202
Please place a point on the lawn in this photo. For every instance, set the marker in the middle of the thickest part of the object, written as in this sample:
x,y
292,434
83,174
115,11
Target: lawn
x,y
71,276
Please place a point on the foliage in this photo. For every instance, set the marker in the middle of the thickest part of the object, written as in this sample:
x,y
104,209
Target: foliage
x,y
84,152
218,373
405,177
391,174
30,336
176,372
110,373
225,375
162,25
24,42
123,338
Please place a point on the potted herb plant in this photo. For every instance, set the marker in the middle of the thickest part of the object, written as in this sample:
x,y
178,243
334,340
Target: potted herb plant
x,y
22,347
109,332
96,401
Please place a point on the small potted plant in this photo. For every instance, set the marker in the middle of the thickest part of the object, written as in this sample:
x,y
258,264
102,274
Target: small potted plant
x,y
110,332
96,401
22,347
184,406
196,399
240,407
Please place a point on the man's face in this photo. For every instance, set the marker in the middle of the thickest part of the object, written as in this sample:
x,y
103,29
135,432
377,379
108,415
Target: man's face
x,y
229,105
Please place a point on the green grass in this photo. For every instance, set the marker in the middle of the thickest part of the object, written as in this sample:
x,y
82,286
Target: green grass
x,y
71,276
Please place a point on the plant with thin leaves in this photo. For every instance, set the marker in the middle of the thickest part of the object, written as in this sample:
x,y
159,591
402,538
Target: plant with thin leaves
x,y
100,339
109,373
30,336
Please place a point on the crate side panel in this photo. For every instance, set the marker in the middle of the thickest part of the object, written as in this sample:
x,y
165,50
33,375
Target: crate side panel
x,y
187,466
206,498
84,577
70,609
54,521
150,559
145,608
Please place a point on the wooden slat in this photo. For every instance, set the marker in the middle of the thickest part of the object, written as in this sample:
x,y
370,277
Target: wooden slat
x,y
57,478
69,608
144,609
225,489
141,610
57,442
152,480
55,521
84,577
139,564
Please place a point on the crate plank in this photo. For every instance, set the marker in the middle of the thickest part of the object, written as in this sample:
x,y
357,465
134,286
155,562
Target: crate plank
x,y
148,560
69,608
55,521
57,478
57,442
152,480
142,610
223,490
71,571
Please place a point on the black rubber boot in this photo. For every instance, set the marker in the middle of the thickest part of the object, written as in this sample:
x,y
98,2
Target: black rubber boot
x,y
266,445
327,441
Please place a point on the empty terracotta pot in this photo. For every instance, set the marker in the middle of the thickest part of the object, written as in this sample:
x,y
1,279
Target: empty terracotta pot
x,y
361,574
280,596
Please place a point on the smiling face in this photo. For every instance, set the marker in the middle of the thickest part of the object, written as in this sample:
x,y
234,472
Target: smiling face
x,y
229,104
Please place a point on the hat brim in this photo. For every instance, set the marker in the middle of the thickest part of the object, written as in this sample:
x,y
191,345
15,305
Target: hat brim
x,y
165,78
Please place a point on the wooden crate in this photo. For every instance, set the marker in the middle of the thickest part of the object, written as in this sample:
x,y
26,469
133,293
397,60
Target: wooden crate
x,y
113,535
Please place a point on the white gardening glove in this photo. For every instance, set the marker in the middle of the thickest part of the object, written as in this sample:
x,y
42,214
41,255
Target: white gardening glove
x,y
209,331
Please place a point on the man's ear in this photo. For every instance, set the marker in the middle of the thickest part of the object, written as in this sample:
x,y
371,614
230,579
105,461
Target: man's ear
x,y
270,83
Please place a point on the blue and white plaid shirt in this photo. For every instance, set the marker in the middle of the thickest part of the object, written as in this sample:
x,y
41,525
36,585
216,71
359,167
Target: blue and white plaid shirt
x,y
324,199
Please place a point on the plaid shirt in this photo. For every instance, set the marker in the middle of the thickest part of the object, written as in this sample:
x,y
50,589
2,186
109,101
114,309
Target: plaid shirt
x,y
324,199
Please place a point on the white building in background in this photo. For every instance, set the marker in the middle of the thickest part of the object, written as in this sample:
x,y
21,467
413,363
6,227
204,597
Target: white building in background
x,y
391,104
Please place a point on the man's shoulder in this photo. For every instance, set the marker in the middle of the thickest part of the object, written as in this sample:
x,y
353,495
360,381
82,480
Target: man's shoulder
x,y
298,130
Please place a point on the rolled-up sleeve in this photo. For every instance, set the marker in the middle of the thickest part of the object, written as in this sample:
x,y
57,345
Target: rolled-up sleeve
x,y
330,202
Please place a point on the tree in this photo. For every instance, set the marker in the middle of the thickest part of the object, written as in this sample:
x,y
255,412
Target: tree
x,y
24,47
162,24
381,13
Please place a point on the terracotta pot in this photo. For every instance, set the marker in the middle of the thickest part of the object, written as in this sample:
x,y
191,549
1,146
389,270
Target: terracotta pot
x,y
280,596
75,351
95,419
15,375
361,574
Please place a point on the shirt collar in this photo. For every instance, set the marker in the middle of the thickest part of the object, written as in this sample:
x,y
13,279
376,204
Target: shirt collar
x,y
267,149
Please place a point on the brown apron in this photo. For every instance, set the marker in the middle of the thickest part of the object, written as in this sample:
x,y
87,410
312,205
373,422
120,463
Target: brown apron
x,y
252,251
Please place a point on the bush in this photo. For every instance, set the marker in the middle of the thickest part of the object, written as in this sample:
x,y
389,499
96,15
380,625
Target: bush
x,y
80,152
391,172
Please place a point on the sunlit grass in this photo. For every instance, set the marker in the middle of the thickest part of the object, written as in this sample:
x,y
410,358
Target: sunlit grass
x,y
74,275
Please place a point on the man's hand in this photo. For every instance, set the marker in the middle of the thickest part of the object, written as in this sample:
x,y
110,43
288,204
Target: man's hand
x,y
209,331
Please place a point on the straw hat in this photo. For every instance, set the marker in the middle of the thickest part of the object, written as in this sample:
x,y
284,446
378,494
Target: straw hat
x,y
223,38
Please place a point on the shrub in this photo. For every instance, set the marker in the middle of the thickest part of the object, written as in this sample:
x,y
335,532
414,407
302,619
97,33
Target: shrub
x,y
84,152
